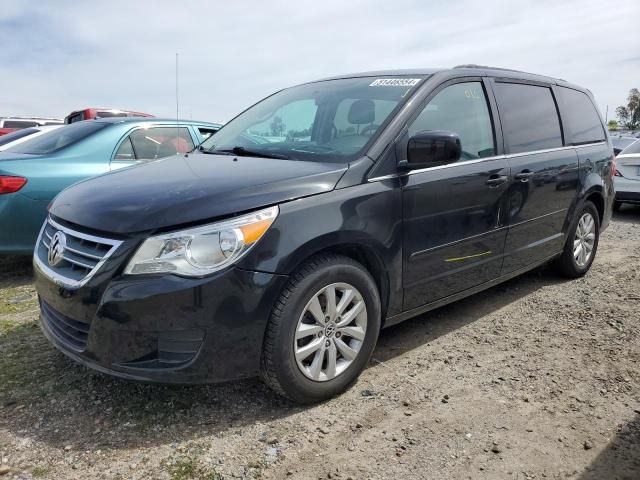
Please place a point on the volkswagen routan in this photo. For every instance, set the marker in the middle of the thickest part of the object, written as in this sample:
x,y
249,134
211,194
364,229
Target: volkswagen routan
x,y
320,215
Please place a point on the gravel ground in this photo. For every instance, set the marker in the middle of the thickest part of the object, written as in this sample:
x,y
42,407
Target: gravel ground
x,y
535,378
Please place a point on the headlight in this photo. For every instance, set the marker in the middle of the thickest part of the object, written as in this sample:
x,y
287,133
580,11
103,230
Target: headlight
x,y
199,251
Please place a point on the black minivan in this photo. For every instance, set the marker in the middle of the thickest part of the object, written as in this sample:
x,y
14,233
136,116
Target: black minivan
x,y
318,216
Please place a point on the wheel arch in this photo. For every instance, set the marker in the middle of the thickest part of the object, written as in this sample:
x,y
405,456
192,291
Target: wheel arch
x,y
363,252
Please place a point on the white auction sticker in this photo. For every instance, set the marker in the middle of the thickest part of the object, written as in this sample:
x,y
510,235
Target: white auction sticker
x,y
395,82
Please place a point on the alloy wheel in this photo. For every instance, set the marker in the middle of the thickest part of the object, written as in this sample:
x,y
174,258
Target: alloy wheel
x,y
330,332
584,239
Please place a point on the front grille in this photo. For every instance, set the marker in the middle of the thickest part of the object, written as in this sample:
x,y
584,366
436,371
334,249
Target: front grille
x,y
70,332
83,254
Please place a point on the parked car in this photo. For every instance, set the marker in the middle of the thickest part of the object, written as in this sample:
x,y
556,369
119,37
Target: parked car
x,y
14,138
93,113
11,124
33,172
285,258
627,176
620,142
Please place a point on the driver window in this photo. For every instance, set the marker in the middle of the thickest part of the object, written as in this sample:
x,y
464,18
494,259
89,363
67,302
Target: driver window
x,y
462,109
291,123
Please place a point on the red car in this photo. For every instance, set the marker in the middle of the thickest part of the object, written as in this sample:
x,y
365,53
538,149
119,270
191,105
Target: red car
x,y
93,113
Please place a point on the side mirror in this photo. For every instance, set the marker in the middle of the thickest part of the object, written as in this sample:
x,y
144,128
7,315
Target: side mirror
x,y
431,148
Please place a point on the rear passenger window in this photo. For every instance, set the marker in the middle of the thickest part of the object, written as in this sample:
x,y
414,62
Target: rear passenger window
x,y
160,142
462,109
529,117
581,117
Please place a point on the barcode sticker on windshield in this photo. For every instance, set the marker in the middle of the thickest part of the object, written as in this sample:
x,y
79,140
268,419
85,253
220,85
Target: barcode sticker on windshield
x,y
395,82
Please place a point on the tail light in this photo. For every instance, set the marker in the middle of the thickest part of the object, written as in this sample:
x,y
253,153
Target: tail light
x,y
614,168
11,184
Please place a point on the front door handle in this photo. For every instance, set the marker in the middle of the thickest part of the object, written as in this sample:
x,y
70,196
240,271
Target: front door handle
x,y
524,175
497,180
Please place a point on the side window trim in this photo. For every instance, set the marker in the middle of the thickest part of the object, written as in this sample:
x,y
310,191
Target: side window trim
x,y
402,138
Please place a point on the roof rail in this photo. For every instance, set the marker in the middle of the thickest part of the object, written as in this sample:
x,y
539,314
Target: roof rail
x,y
473,65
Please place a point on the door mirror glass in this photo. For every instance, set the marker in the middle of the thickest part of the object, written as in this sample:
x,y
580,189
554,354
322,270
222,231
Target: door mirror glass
x,y
430,148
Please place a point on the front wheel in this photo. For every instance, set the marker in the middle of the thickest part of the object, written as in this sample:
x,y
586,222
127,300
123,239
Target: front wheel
x,y
582,243
322,330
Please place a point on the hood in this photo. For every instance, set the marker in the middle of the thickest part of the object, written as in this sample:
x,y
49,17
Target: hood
x,y
189,189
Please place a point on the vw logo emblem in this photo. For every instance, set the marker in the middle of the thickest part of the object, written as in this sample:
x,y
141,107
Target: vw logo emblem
x,y
56,248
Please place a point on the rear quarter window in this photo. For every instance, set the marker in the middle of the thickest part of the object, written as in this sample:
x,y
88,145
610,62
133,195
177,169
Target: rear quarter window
x,y
529,117
581,118
634,148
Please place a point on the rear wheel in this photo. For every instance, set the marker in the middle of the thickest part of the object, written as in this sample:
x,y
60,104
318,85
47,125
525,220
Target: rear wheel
x,y
322,330
582,243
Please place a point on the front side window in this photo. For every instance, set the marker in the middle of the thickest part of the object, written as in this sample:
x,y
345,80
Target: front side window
x,y
58,139
156,142
327,121
462,109
529,117
583,121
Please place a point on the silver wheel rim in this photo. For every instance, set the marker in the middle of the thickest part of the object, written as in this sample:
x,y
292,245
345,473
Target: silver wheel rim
x,y
584,240
330,332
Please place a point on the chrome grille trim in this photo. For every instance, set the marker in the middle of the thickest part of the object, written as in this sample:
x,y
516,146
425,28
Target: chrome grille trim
x,y
91,261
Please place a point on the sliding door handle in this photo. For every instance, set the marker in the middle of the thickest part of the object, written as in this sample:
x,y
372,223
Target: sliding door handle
x,y
497,180
524,175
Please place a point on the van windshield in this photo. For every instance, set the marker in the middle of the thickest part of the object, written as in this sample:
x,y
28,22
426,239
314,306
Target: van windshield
x,y
327,121
58,139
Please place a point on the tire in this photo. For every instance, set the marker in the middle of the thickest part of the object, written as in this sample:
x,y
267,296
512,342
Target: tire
x,y
617,205
299,378
567,263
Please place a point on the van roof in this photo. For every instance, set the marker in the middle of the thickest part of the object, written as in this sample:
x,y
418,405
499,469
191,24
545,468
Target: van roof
x,y
464,70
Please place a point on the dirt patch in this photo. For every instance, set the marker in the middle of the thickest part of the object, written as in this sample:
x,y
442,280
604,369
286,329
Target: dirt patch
x,y
535,378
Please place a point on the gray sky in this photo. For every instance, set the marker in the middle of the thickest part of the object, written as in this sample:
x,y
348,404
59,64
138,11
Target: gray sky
x,y
58,56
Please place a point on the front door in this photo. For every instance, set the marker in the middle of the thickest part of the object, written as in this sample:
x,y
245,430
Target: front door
x,y
454,223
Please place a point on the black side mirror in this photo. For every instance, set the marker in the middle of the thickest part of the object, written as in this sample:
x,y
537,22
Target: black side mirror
x,y
431,148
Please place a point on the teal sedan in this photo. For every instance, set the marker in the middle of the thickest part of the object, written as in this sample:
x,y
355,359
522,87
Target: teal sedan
x,y
35,171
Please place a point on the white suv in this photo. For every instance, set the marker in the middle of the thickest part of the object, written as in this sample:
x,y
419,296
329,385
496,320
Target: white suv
x,y
24,122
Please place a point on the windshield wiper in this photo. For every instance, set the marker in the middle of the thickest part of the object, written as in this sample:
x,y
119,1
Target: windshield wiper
x,y
244,152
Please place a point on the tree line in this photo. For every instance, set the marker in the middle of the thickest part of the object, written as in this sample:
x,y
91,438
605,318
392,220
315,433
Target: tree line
x,y
629,114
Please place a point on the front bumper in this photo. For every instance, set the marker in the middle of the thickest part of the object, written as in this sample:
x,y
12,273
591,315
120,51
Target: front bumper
x,y
163,329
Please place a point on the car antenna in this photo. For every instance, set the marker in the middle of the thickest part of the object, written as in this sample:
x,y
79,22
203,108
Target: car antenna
x,y
177,101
